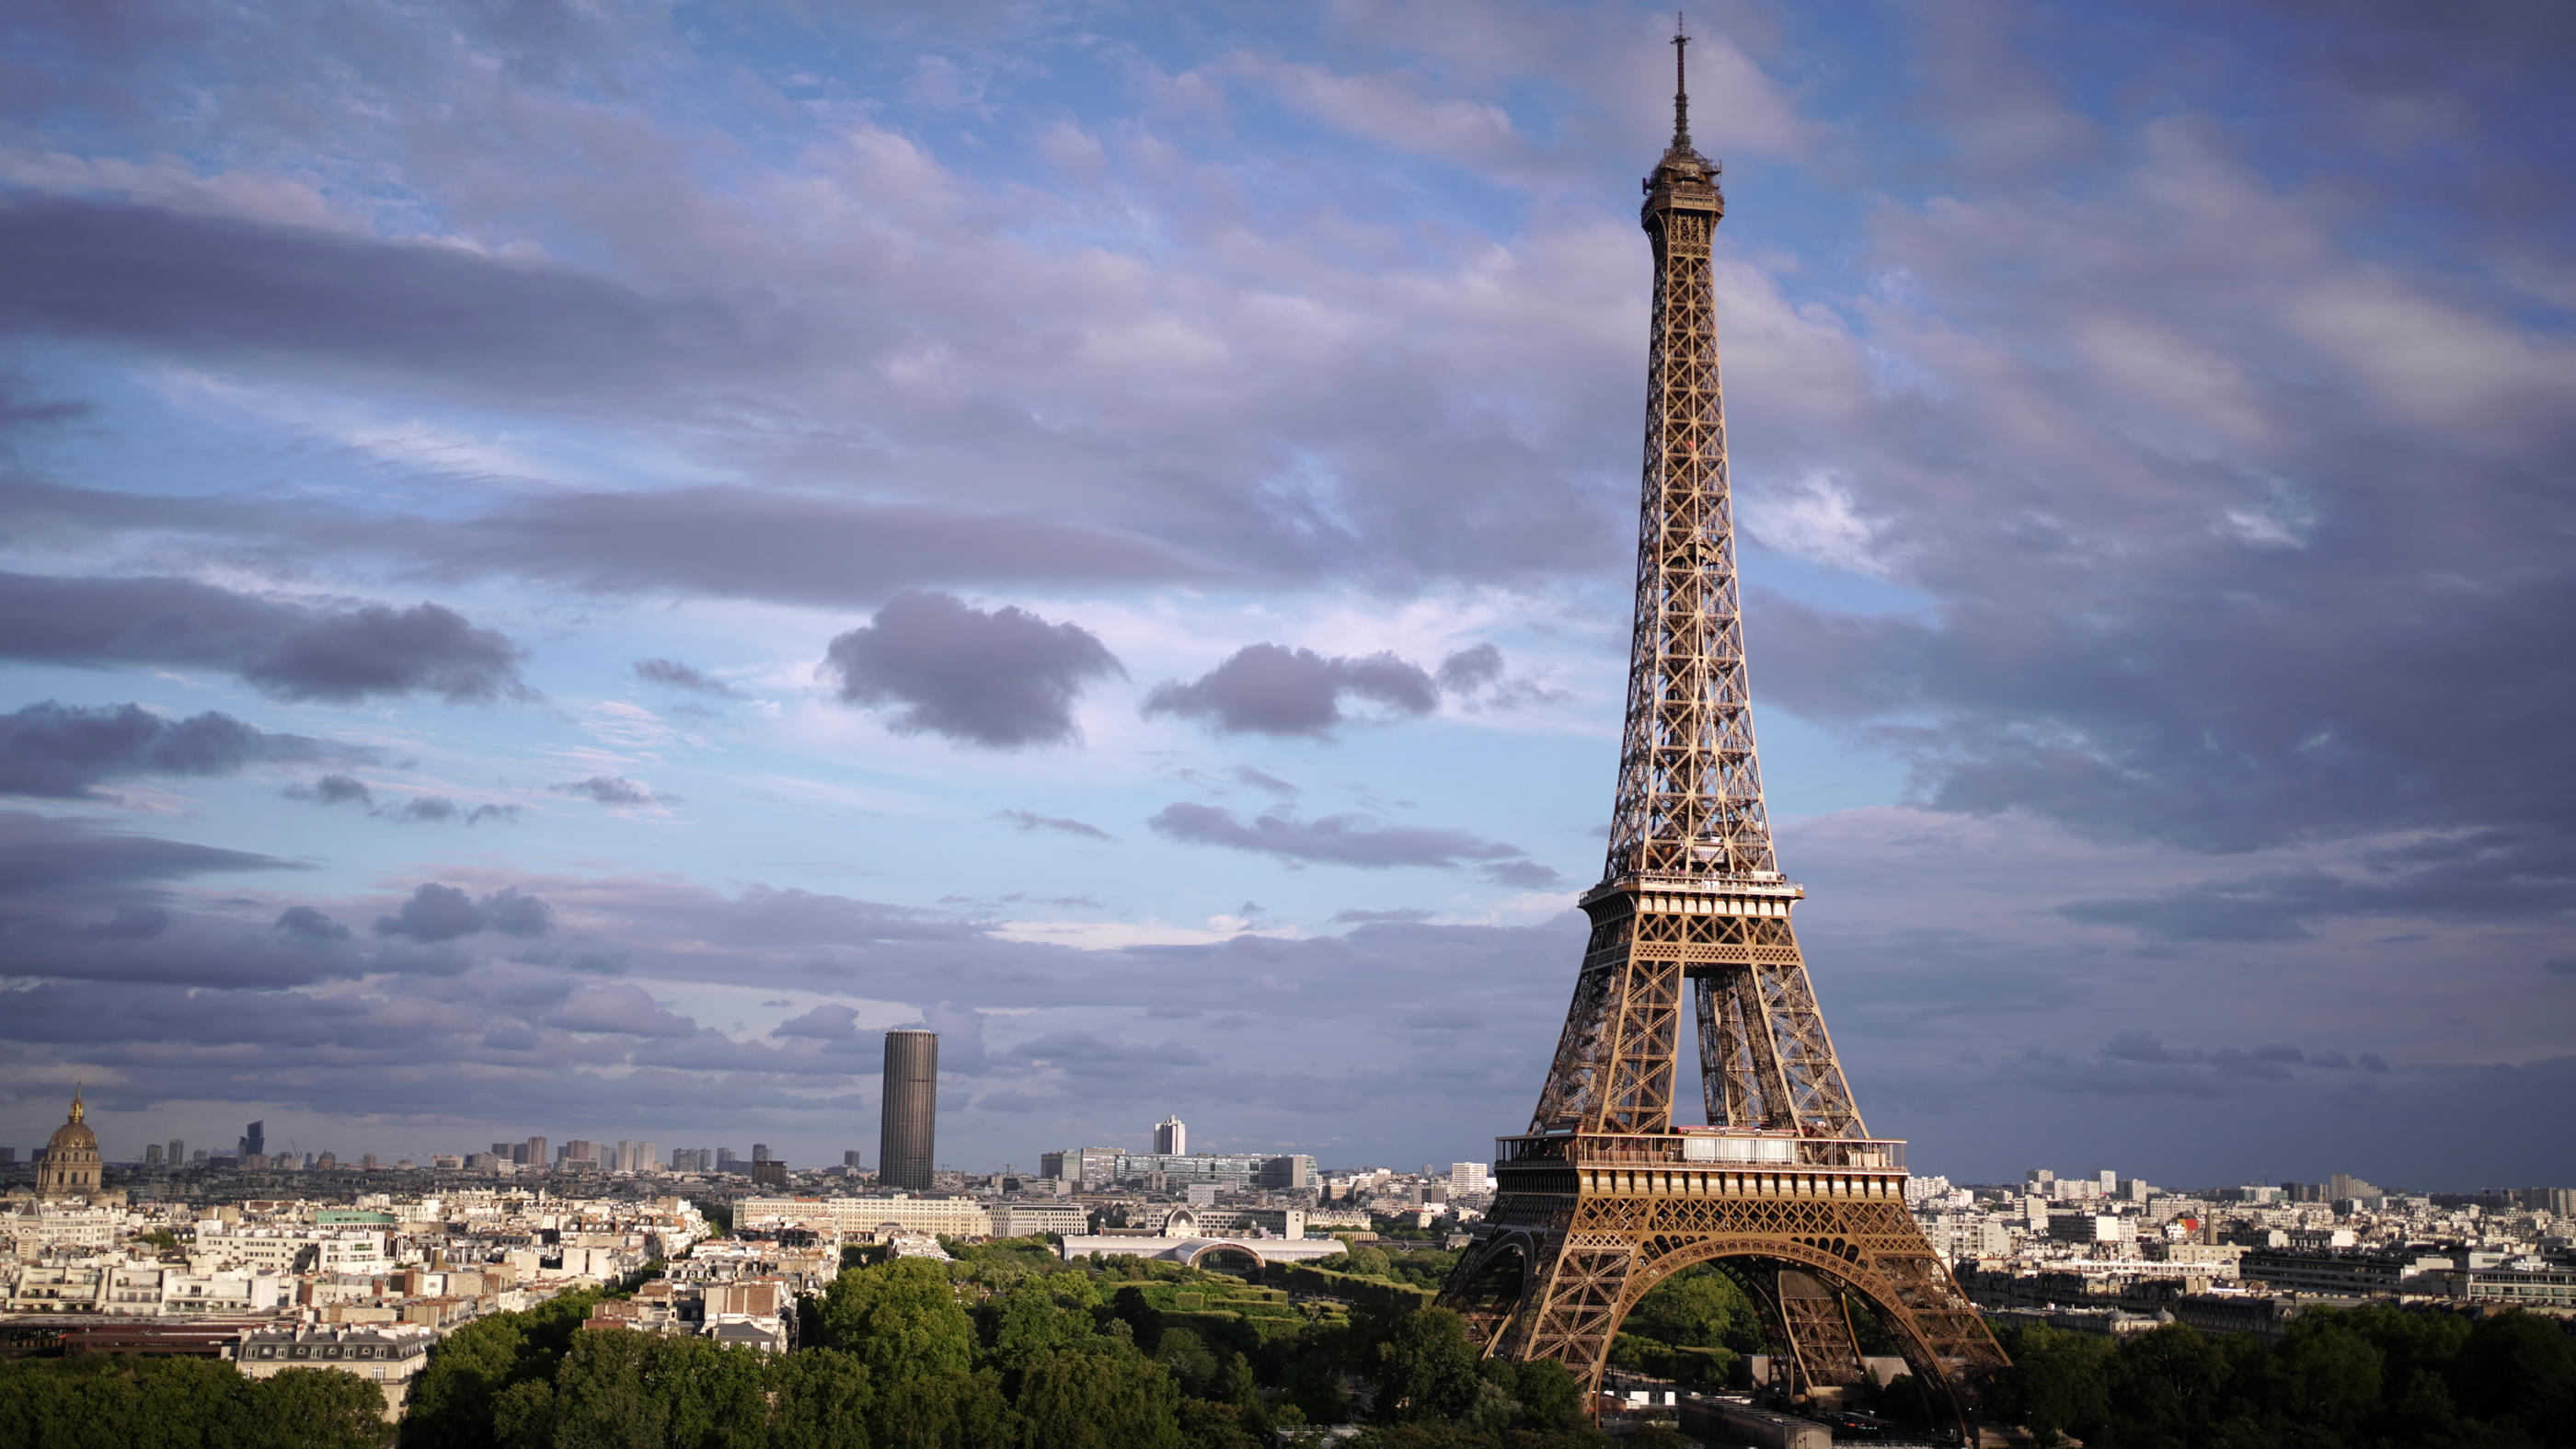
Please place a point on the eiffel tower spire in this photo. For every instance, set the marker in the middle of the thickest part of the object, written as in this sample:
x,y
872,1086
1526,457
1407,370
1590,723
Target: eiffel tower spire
x,y
1602,1197
1681,86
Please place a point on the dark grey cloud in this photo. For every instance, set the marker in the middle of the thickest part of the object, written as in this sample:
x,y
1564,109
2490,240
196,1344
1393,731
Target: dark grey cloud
x,y
619,1011
220,287
292,651
129,923
767,544
828,1022
2138,1063
1477,678
333,790
1275,690
62,751
676,675
1096,1065
1062,825
2518,873
1003,678
417,809
1264,780
1331,839
729,542
1471,669
55,859
611,790
1406,916
307,922
1526,875
436,913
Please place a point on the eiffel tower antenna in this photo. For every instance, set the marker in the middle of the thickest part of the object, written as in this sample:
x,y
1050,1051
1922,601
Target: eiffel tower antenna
x,y
1785,1190
1681,86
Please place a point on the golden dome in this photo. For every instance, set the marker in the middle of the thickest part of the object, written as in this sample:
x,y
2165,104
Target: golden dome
x,y
73,1136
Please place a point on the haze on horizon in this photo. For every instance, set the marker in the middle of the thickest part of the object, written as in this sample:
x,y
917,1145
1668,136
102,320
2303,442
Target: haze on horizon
x,y
562,567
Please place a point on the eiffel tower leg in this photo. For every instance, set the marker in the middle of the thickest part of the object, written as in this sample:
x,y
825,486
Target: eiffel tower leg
x,y
1820,1338
1579,1303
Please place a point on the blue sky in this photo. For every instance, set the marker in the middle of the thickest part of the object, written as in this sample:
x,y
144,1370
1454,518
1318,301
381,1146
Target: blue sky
x,y
564,566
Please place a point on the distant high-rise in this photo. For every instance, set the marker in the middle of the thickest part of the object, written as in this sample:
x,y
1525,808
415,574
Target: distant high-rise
x,y
152,1154
1171,1137
648,1158
537,1156
254,1142
850,1160
907,1127
760,1152
178,1151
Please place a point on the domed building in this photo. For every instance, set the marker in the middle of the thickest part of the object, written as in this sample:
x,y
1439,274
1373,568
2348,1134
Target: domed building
x,y
70,1165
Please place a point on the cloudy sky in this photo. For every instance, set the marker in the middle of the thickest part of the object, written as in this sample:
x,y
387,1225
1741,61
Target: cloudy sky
x,y
563,566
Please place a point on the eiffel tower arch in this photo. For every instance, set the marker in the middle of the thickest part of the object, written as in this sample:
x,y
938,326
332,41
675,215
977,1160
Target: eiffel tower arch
x,y
1603,1197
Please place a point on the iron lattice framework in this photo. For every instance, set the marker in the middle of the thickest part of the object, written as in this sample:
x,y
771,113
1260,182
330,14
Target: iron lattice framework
x,y
1786,1191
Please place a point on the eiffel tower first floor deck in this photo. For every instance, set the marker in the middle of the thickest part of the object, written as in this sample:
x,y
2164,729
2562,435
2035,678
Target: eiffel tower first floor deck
x,y
1586,1224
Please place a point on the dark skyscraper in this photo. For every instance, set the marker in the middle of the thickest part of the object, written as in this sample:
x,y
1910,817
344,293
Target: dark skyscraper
x,y
255,1141
906,1131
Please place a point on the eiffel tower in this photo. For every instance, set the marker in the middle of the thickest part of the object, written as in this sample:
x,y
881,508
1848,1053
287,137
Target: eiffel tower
x,y
1785,1191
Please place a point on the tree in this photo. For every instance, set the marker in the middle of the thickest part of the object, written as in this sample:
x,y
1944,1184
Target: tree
x,y
823,1400
454,1403
901,1320
1141,1317
2059,1384
1035,1314
1698,1307
601,1398
949,1409
2521,1368
2170,1382
318,1409
1425,1368
1073,1399
1548,1394
2330,1373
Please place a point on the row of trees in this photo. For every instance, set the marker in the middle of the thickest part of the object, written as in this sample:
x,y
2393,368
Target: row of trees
x,y
1010,1348
987,1354
2375,1377
103,1402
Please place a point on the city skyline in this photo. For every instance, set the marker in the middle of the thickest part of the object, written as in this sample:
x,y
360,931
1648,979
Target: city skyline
x,y
1106,538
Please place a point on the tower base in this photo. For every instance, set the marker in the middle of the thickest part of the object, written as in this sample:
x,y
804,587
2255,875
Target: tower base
x,y
1586,1224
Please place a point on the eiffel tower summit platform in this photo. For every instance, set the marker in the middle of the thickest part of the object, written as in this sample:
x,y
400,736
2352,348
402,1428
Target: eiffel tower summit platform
x,y
1785,1190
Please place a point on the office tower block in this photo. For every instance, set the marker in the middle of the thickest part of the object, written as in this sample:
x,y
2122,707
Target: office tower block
x,y
255,1141
907,1125
1171,1138
760,1152
178,1151
537,1153
850,1160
